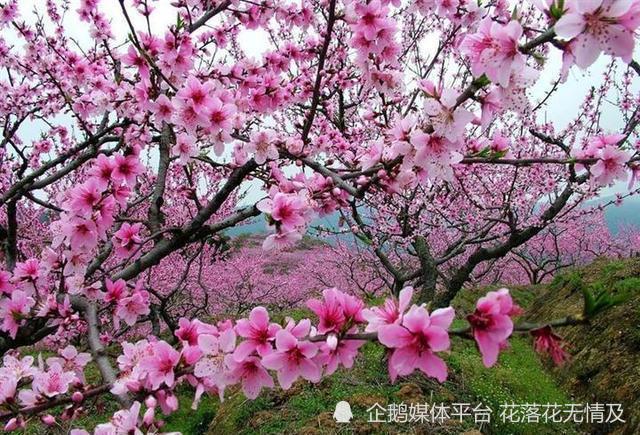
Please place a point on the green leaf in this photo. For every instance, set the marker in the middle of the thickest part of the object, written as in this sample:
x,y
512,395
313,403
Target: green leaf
x,y
589,301
499,154
601,301
179,23
364,239
482,81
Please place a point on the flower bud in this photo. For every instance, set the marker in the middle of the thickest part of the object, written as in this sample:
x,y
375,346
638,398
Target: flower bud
x,y
149,416
150,402
332,342
49,420
77,397
172,402
11,425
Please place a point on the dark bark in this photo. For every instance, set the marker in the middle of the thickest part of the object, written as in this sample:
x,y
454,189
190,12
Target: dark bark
x,y
11,242
517,238
429,272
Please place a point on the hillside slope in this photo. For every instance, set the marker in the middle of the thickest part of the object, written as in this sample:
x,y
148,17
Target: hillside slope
x,y
605,363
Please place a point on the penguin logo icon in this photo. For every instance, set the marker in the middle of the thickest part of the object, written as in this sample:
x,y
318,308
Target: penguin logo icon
x,y
342,414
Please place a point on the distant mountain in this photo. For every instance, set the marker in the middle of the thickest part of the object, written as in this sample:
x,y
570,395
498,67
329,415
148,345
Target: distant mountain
x,y
259,225
628,213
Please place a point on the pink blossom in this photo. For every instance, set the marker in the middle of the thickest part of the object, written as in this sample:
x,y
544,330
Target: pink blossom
x,y
14,310
132,307
372,18
343,353
82,234
288,210
189,330
5,283
161,364
262,145
599,25
601,141
281,240
133,354
493,50
416,340
192,103
102,171
448,120
611,165
163,109
126,169
218,349
19,367
389,313
293,359
185,148
259,334
8,385
336,310
115,290
71,360
220,115
134,58
372,155
28,273
546,341
491,323
53,382
196,94
500,145
125,421
127,238
8,11
250,372
85,197
431,148
491,105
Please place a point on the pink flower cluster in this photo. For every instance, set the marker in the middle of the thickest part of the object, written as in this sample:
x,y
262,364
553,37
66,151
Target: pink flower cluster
x,y
289,214
611,164
90,208
293,351
595,26
23,383
374,40
493,50
130,305
491,323
211,358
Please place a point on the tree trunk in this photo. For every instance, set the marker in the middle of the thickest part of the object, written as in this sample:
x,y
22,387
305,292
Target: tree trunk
x,y
429,272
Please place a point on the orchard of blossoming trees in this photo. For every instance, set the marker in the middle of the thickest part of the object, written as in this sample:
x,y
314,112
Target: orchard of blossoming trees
x,y
410,118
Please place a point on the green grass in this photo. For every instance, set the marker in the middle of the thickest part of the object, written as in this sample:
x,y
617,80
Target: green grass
x,y
189,421
519,377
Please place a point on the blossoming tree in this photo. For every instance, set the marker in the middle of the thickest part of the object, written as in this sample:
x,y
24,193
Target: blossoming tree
x,y
145,140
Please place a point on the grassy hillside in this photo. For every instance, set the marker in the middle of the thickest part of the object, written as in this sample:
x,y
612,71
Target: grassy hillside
x,y
604,368
606,354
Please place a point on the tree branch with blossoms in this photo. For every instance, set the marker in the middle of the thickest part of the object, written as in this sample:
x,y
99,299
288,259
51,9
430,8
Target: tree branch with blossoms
x,y
127,155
